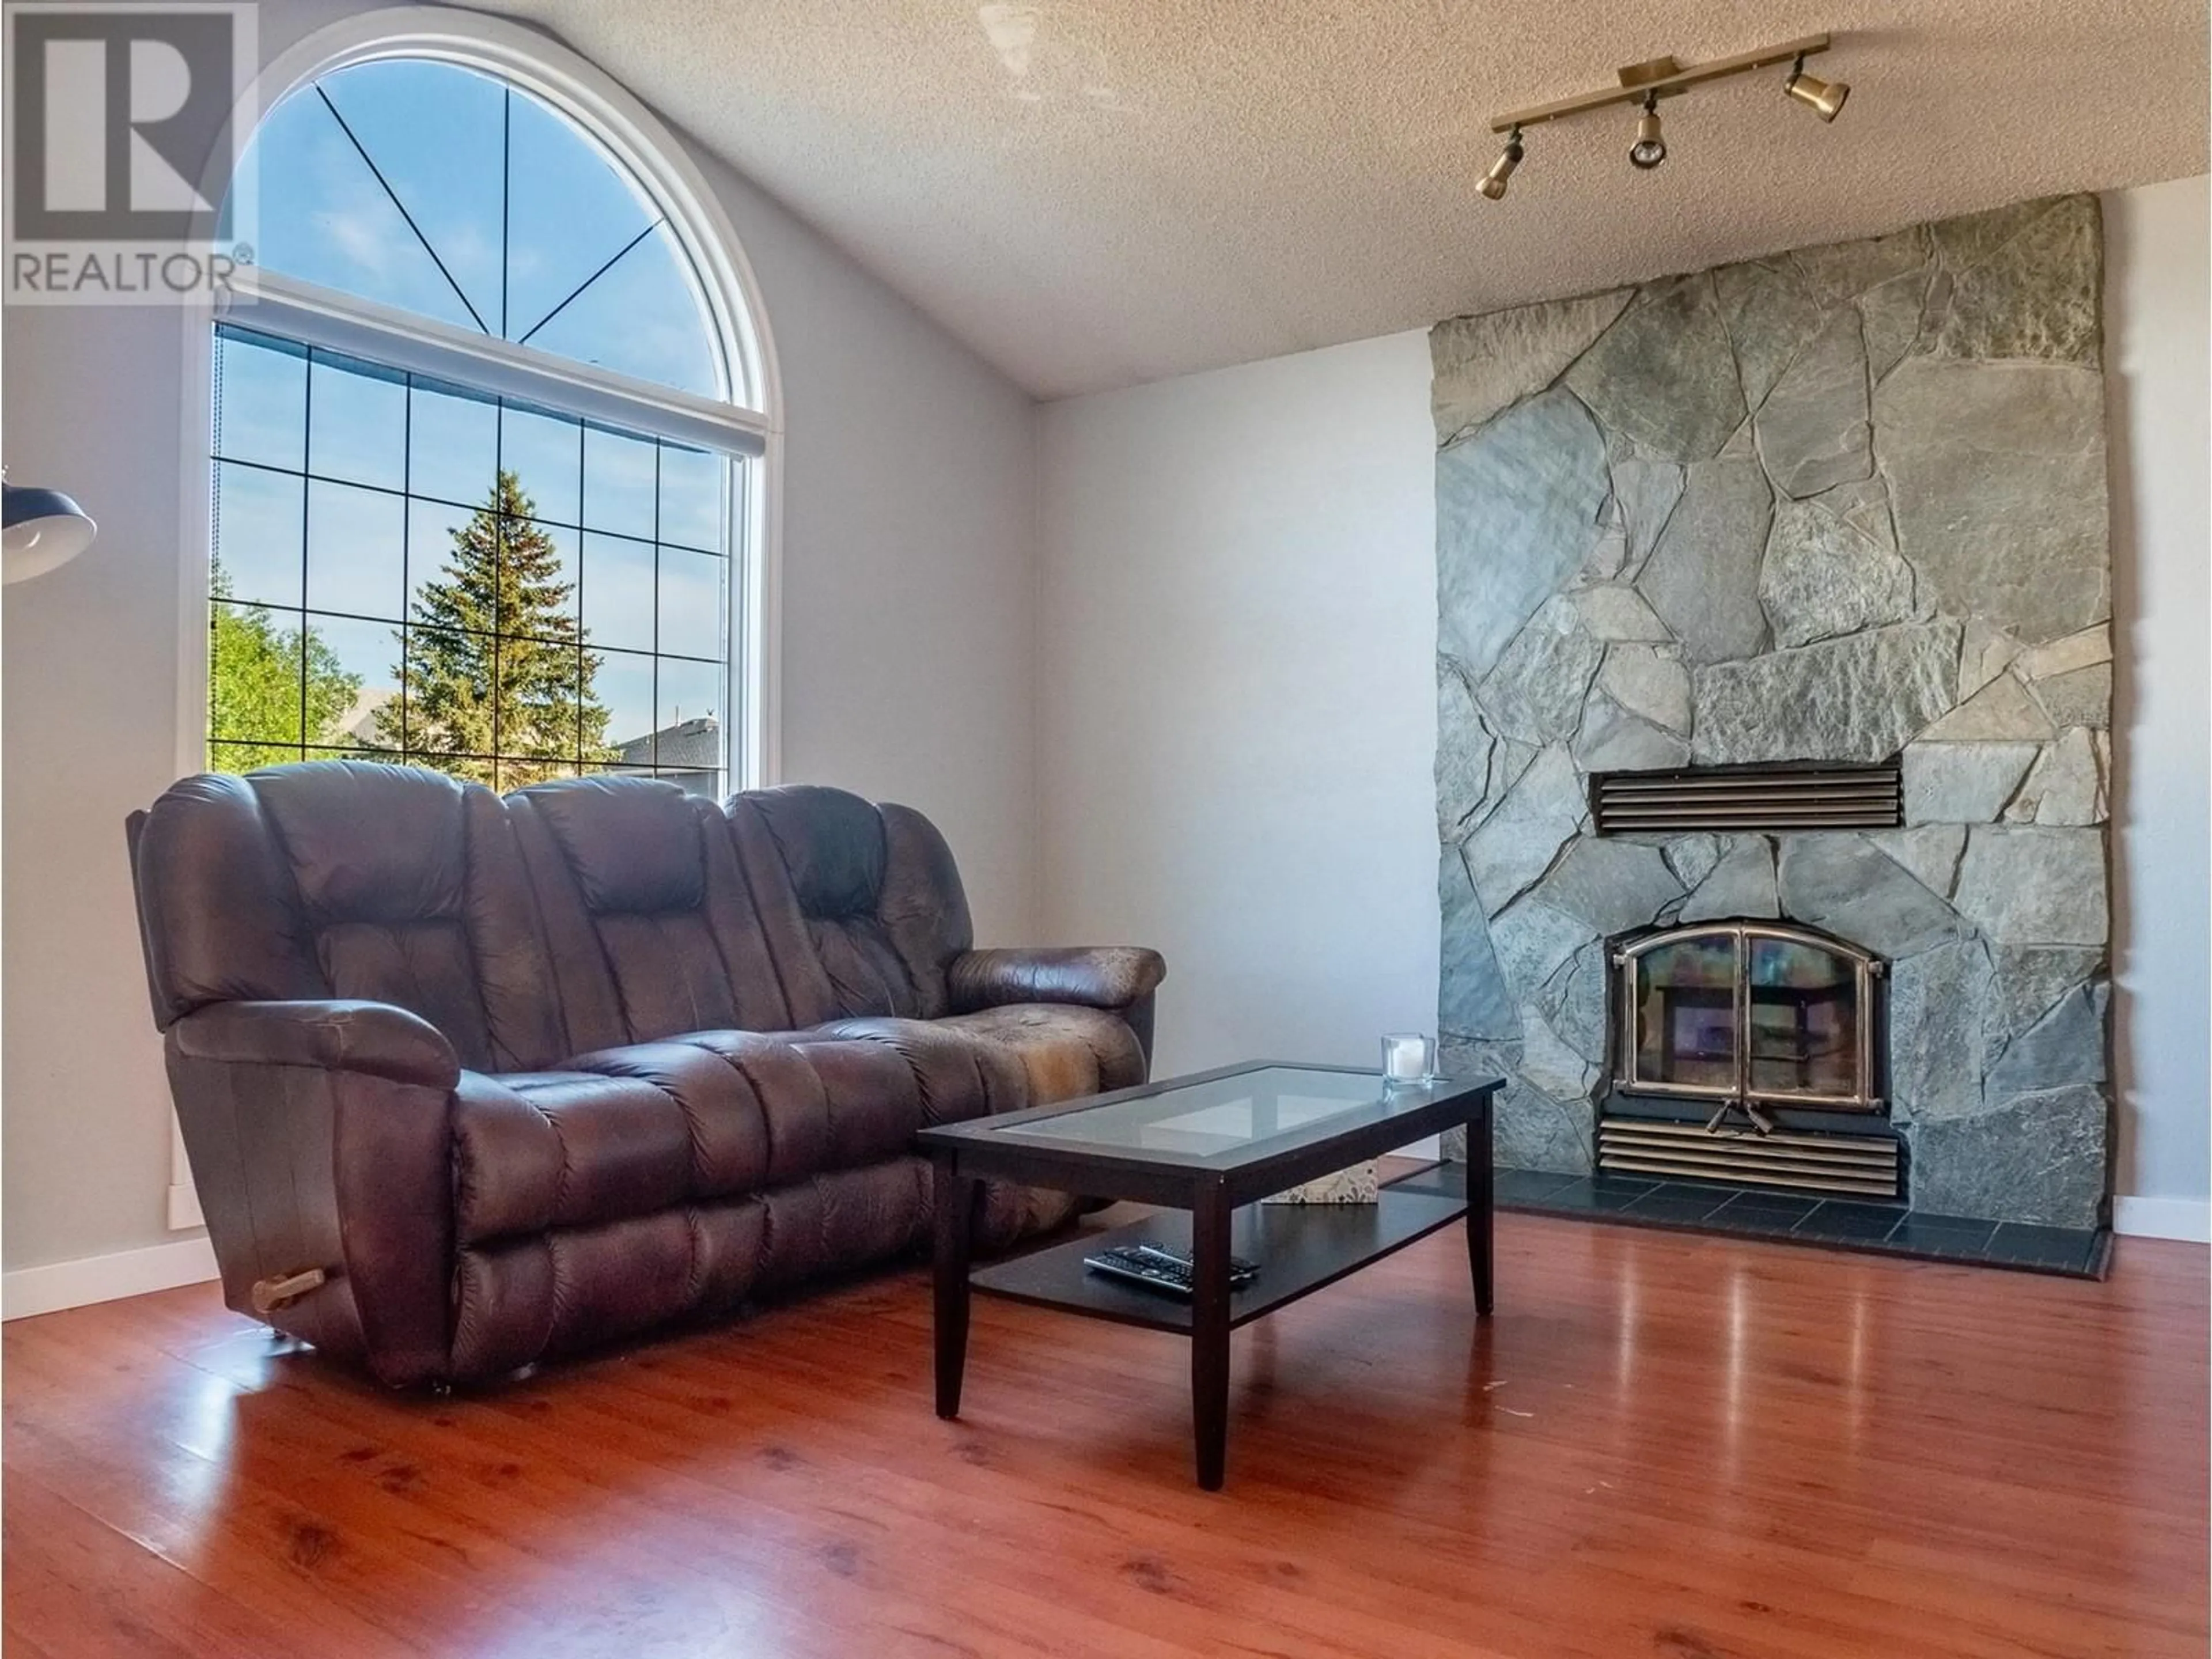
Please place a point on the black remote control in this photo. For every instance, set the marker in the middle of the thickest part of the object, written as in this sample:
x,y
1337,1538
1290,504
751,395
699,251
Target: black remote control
x,y
1161,1267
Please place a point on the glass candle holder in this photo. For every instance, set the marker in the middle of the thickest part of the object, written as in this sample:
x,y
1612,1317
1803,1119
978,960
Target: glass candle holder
x,y
1408,1057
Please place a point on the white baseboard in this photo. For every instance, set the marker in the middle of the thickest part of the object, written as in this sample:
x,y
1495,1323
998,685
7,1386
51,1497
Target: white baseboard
x,y
31,1291
2189,1218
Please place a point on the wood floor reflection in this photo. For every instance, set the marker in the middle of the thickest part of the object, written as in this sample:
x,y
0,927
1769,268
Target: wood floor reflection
x,y
1669,1445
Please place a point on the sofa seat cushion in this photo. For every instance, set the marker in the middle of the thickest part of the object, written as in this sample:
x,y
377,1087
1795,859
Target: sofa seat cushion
x,y
1065,1052
542,1149
635,1130
712,1116
1005,1060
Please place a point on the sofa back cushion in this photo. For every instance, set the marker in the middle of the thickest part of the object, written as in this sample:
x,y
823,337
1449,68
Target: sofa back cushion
x,y
870,892
651,926
348,878
572,916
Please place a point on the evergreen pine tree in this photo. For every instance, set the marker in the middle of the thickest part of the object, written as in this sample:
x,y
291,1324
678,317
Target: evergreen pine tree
x,y
495,664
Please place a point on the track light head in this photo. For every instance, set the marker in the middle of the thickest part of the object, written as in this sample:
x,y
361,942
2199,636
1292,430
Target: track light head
x,y
1649,149
1493,182
1645,84
1824,98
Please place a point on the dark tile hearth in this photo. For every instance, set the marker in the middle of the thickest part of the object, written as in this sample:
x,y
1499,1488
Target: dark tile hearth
x,y
1832,1224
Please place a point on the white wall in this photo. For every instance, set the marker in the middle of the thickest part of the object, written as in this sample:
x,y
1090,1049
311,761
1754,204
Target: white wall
x,y
908,584
1235,680
2156,348
908,561
1238,621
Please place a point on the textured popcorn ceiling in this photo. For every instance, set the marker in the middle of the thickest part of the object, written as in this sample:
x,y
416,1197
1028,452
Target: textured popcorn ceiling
x,y
1098,192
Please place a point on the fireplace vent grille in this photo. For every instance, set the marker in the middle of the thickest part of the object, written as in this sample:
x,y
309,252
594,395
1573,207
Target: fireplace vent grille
x,y
1861,1165
1793,797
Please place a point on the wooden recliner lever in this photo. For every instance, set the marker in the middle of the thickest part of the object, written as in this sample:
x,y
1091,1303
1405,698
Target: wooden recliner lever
x,y
275,1291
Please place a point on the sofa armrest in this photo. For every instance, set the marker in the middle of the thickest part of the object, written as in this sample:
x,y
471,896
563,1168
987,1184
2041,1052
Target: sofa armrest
x,y
373,1038
320,1135
1114,977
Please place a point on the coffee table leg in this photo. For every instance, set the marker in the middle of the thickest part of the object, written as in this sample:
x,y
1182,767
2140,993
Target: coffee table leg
x,y
1209,1335
1481,1211
954,1203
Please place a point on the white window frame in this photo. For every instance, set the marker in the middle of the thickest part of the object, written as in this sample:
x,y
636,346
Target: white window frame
x,y
748,421
268,302
748,424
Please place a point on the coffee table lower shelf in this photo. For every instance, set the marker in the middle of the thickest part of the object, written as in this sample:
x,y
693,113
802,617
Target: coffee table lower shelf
x,y
1300,1247
1205,1149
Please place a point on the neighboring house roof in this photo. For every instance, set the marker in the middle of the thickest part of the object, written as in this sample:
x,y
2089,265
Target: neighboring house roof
x,y
689,745
359,722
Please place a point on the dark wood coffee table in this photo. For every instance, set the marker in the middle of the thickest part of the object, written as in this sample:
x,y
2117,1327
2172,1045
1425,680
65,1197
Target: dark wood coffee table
x,y
1212,1145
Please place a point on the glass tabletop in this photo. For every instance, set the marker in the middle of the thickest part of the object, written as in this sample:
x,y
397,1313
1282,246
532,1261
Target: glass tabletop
x,y
1226,1120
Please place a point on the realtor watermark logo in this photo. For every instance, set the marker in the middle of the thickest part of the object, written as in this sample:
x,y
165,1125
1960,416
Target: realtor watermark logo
x,y
126,129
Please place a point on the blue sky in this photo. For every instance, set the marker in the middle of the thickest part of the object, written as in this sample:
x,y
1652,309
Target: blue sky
x,y
520,207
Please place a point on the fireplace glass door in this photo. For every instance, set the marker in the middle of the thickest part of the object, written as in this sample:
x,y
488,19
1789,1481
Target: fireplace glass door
x,y
1746,1012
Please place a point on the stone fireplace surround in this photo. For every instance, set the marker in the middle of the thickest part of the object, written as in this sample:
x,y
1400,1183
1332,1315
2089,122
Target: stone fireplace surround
x,y
1838,504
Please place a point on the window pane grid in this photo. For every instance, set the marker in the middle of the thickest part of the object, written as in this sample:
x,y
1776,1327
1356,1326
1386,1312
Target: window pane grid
x,y
440,190
489,633
673,537
317,615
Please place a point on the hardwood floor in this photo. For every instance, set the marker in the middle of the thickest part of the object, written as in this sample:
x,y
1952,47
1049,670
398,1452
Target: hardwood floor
x,y
1663,1445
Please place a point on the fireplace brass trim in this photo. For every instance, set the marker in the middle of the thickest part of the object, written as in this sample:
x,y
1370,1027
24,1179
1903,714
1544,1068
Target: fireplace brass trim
x,y
1738,1095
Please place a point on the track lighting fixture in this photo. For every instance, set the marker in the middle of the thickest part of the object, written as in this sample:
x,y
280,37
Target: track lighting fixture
x,y
1649,149
1493,182
1646,83
1824,98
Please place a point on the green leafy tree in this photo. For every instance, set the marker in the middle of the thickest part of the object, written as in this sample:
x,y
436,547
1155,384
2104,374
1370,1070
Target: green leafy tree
x,y
496,663
255,692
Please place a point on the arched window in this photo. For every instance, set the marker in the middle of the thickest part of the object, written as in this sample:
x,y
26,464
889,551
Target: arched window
x,y
484,436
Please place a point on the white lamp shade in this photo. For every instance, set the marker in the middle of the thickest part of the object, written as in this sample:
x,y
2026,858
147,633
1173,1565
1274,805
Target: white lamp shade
x,y
43,528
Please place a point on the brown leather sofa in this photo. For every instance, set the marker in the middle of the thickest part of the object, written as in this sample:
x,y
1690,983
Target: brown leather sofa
x,y
467,1081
